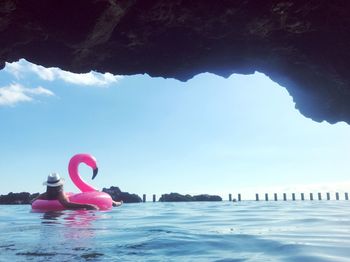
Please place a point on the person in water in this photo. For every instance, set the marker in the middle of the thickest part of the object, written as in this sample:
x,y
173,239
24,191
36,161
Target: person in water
x,y
54,191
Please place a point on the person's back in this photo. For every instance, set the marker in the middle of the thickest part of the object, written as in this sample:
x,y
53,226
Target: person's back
x,y
54,191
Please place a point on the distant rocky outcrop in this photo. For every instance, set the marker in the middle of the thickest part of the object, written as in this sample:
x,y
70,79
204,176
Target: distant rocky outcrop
x,y
176,197
26,198
206,197
17,198
118,195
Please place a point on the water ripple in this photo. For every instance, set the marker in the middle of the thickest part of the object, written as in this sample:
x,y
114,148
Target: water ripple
x,y
221,232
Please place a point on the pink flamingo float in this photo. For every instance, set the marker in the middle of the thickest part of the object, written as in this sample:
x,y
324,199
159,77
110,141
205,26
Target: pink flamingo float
x,y
88,195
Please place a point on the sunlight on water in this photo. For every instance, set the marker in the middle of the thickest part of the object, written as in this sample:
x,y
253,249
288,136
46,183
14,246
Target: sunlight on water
x,y
206,231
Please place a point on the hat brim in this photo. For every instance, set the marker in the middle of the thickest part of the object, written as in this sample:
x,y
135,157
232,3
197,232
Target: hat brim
x,y
59,183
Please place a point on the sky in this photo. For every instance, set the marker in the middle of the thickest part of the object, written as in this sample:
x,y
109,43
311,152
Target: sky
x,y
154,135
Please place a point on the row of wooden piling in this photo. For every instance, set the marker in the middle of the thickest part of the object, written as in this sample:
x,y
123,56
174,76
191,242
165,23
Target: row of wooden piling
x,y
275,197
302,196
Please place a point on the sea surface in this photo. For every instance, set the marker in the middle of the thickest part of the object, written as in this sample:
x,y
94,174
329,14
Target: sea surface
x,y
197,231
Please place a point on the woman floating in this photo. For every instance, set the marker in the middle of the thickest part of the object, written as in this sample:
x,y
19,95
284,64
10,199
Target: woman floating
x,y
56,199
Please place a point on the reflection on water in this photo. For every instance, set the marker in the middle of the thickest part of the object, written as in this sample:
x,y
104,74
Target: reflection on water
x,y
74,224
51,217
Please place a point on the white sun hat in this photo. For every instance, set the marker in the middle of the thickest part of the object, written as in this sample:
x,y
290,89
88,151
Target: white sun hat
x,y
54,180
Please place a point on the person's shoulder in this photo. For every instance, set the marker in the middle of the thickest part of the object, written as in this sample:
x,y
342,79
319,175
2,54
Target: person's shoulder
x,y
62,195
42,196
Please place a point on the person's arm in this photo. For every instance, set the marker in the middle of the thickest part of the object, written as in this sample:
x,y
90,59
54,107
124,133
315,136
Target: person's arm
x,y
117,203
41,196
63,199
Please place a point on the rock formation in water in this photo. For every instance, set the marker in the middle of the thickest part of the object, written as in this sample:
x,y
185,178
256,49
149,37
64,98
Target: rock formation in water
x,y
206,197
176,197
25,197
17,198
302,45
118,195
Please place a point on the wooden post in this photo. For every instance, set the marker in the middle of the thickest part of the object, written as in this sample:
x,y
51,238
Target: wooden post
x,y
346,196
328,196
154,198
275,196
144,198
311,196
319,196
257,197
284,197
293,196
302,196
239,197
230,197
266,197
337,196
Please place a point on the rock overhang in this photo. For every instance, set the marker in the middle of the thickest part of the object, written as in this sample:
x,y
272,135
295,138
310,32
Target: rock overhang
x,y
303,46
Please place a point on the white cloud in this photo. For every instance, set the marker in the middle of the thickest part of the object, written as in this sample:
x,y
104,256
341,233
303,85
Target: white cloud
x,y
15,68
89,79
50,74
44,73
16,93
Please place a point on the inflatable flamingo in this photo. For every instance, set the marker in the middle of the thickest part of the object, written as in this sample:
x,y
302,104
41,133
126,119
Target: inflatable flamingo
x,y
88,195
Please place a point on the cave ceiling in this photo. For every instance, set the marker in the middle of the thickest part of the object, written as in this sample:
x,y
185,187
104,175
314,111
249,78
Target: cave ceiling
x,y
302,45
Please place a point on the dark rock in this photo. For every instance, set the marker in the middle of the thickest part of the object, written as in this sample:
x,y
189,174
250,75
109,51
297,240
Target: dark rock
x,y
26,198
302,45
176,197
118,195
206,198
17,198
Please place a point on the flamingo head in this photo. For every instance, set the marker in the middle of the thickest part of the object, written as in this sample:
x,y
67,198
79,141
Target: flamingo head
x,y
91,162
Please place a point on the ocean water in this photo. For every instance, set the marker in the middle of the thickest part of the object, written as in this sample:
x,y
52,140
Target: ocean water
x,y
197,231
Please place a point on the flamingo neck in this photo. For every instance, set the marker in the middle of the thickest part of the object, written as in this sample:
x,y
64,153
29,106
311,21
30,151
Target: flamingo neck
x,y
75,177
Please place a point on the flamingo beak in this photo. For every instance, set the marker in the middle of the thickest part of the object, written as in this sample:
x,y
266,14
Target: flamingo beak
x,y
95,173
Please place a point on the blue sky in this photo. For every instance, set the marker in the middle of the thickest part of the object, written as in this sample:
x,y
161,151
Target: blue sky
x,y
154,135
